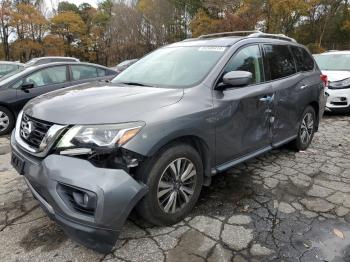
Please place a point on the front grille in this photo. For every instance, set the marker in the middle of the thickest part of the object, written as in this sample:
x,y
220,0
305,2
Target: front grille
x,y
337,87
339,103
33,131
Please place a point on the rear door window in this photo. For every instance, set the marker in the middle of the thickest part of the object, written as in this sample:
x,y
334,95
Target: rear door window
x,y
81,72
303,60
279,62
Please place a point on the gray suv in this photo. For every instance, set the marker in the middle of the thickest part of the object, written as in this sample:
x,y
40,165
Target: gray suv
x,y
152,137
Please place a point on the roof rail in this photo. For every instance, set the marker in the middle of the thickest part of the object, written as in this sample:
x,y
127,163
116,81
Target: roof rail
x,y
254,33
275,36
235,33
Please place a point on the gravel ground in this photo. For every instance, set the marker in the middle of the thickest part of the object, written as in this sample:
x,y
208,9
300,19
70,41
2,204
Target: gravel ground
x,y
283,206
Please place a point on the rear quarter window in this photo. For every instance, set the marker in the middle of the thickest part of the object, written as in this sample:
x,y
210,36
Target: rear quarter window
x,y
279,62
303,60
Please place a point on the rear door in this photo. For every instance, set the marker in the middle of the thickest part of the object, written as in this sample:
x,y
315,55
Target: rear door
x,y
44,80
312,88
243,113
287,86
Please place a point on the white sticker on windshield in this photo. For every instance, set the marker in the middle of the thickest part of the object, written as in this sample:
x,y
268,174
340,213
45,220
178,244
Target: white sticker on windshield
x,y
212,49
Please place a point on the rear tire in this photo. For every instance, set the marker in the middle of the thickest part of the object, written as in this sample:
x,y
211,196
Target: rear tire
x,y
306,130
7,121
174,177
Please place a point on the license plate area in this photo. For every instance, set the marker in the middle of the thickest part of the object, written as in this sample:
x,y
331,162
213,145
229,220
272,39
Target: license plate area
x,y
18,163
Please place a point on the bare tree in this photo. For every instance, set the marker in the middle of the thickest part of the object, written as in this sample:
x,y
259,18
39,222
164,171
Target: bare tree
x,y
5,30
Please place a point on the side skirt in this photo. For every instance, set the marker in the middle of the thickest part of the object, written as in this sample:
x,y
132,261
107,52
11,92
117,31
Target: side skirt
x,y
230,164
283,142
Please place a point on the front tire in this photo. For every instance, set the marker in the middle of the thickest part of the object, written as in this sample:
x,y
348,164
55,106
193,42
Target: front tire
x,y
306,130
174,177
7,121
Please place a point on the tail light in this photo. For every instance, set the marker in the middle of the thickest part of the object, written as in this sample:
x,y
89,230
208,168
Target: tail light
x,y
324,79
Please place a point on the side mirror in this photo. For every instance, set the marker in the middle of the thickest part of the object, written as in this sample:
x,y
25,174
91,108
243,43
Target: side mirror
x,y
27,86
236,79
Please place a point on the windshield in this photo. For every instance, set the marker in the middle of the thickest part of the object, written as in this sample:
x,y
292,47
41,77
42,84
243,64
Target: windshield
x,y
172,67
333,62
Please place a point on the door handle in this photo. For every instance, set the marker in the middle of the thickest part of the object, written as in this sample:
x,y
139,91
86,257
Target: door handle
x,y
267,99
303,86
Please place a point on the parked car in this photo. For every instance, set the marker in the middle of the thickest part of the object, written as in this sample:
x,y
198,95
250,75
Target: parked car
x,y
162,128
7,67
336,65
124,65
50,59
17,89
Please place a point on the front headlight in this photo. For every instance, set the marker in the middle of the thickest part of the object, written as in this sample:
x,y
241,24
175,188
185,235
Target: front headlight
x,y
99,136
340,84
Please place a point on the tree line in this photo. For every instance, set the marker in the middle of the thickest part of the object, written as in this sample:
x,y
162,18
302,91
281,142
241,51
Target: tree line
x,y
119,30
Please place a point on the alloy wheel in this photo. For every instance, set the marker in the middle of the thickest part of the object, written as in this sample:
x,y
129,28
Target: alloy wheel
x,y
4,121
307,128
176,185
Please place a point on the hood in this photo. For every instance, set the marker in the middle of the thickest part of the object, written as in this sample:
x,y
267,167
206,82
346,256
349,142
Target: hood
x,y
334,76
100,103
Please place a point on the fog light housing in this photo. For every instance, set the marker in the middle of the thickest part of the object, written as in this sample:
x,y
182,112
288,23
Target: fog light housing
x,y
80,200
84,200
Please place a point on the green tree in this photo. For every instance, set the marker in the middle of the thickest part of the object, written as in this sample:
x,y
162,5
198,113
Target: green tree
x,y
202,24
67,7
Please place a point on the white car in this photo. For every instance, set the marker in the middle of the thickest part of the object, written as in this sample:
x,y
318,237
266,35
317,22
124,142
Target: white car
x,y
336,65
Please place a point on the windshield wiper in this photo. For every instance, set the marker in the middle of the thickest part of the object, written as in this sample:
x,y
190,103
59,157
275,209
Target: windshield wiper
x,y
134,84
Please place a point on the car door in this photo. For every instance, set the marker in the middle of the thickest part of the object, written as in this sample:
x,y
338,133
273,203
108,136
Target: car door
x,y
86,73
311,87
43,81
287,85
243,114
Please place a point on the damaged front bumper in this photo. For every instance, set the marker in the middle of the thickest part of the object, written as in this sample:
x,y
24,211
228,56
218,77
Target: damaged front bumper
x,y
90,203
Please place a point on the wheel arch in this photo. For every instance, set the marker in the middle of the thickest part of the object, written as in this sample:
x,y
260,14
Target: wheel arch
x,y
8,107
199,144
316,107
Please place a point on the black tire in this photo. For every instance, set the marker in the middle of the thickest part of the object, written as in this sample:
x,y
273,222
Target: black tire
x,y
151,172
10,120
300,144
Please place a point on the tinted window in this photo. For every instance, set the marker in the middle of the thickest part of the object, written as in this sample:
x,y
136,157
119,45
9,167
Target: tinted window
x,y
101,72
303,60
48,76
247,59
81,72
279,61
111,72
